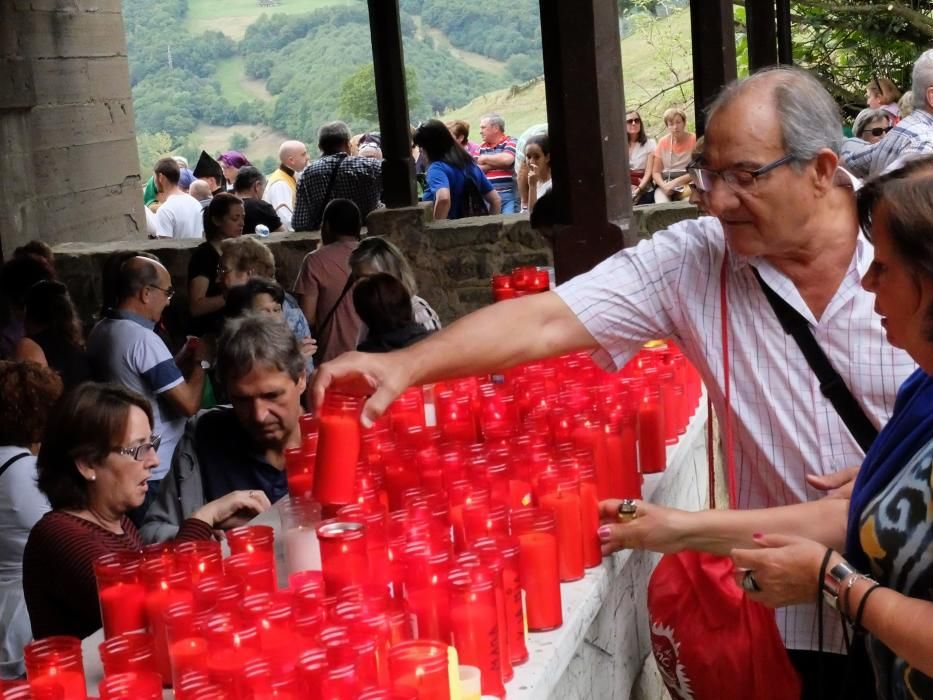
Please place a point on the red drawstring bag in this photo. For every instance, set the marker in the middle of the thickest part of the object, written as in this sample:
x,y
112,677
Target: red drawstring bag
x,y
709,640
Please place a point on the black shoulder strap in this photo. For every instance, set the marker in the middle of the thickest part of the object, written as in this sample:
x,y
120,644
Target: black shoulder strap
x,y
330,314
832,386
333,178
11,461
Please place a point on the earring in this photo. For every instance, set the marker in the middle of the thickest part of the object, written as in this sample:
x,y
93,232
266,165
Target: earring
x,y
93,477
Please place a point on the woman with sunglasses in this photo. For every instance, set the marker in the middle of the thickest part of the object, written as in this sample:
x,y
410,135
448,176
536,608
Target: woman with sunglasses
x,y
94,464
871,125
640,158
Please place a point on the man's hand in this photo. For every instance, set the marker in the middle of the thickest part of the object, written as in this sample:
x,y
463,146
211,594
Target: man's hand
x,y
837,485
381,376
654,528
308,347
233,510
786,568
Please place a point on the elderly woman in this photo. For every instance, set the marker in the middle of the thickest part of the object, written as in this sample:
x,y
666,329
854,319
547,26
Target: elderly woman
x,y
374,255
242,259
95,461
223,218
880,565
671,157
27,391
871,125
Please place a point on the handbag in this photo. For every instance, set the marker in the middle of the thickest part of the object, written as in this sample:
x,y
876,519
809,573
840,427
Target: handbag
x,y
710,641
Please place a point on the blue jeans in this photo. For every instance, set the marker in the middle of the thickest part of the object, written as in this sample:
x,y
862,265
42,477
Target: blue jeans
x,y
509,201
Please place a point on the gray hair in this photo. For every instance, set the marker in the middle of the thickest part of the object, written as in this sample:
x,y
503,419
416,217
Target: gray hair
x,y
495,118
866,117
332,136
384,256
922,79
258,339
810,119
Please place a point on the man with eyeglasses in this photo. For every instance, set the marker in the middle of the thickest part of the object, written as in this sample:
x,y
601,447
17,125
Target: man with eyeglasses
x,y
123,348
781,208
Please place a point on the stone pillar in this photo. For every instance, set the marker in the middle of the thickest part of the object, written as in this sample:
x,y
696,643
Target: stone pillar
x,y
713,34
586,120
68,162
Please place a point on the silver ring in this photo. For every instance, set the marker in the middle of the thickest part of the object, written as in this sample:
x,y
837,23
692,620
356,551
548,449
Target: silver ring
x,y
750,583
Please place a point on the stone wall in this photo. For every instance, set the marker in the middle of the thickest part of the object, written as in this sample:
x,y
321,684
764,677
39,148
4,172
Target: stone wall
x,y
453,260
68,159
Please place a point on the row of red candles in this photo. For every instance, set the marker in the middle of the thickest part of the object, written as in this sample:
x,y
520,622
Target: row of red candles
x,y
522,281
437,539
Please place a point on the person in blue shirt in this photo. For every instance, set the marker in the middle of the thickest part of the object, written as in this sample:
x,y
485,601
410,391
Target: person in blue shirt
x,y
454,182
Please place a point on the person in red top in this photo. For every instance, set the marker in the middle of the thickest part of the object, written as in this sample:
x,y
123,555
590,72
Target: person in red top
x,y
497,160
93,466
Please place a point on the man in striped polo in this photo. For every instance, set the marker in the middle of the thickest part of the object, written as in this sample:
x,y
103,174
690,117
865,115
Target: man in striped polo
x,y
497,159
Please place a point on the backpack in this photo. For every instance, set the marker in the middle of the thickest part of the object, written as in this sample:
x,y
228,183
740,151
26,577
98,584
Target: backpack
x,y
472,202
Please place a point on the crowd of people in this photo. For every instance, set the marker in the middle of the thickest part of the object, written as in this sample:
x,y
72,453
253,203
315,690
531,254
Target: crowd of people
x,y
120,436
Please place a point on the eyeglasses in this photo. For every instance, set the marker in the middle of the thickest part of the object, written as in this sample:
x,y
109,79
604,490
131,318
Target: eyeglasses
x,y
738,180
169,293
139,451
878,130
636,120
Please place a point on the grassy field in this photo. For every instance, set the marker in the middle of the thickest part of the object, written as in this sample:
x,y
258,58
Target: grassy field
x,y
263,140
235,85
232,17
656,56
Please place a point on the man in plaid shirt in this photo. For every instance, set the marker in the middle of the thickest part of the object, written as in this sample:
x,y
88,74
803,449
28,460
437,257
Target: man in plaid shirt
x,y
912,137
336,175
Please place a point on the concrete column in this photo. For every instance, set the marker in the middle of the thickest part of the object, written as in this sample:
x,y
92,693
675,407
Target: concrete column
x,y
69,162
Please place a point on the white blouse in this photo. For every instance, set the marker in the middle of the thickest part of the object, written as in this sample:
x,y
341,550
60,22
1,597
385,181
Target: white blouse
x,y
638,154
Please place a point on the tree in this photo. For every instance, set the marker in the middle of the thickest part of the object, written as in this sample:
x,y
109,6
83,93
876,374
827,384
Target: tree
x,y
238,142
847,43
151,147
358,94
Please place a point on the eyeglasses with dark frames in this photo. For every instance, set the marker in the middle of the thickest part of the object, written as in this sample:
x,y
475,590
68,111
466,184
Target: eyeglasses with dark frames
x,y
737,179
139,451
636,120
169,293
878,130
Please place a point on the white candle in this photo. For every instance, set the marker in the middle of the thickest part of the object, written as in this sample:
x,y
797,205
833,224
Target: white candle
x,y
302,551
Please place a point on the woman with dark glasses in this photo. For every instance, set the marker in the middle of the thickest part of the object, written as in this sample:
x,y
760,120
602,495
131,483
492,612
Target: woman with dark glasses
x,y
871,125
640,159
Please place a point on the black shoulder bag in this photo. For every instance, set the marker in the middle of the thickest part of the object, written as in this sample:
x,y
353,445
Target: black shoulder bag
x,y
832,386
11,461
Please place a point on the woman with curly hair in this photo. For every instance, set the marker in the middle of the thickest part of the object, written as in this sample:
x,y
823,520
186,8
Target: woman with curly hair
x,y
53,333
27,392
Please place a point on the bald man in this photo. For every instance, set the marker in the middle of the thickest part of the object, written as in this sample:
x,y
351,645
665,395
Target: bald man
x,y
124,348
281,185
201,191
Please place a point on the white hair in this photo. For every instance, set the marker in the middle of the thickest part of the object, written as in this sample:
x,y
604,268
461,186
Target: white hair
x,y
922,79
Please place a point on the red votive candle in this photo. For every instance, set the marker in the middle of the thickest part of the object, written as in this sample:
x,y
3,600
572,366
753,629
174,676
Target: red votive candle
x,y
539,567
622,452
199,558
474,624
421,666
338,449
344,558
251,538
164,590
127,652
426,594
56,663
589,434
137,685
218,593
491,560
485,520
589,516
377,545
299,472
122,596
507,548
652,453
256,571
340,683
20,690
561,495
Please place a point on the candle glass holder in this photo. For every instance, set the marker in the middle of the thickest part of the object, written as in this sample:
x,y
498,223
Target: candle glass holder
x,y
338,449
300,518
128,652
121,595
344,558
56,662
474,623
539,567
134,685
421,666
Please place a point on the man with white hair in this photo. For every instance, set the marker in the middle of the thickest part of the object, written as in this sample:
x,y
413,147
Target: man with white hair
x,y
281,185
784,218
912,137
497,160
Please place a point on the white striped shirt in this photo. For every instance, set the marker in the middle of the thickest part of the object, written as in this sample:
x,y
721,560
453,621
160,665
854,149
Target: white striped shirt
x,y
668,287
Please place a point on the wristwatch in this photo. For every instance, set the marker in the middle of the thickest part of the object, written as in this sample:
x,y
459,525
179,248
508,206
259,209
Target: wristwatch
x,y
833,581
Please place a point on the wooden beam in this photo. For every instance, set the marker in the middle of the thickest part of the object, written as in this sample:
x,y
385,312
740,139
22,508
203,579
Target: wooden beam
x,y
398,168
761,27
586,123
713,33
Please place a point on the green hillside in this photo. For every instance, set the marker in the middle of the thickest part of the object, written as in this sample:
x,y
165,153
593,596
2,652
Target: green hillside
x,y
655,57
